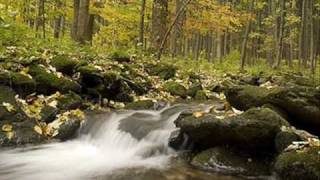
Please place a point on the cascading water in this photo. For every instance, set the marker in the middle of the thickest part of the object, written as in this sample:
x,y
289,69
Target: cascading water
x,y
114,141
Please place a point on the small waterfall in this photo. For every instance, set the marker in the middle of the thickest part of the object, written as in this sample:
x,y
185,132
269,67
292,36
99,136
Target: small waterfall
x,y
114,141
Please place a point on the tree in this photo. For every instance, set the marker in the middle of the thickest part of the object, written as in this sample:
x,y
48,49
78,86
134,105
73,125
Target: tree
x,y
82,22
141,28
159,22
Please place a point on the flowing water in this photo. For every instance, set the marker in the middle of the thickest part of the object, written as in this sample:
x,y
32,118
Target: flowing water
x,y
110,146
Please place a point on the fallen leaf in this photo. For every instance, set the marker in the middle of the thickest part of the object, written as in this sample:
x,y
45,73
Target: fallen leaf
x,y
10,135
8,106
37,129
198,114
7,128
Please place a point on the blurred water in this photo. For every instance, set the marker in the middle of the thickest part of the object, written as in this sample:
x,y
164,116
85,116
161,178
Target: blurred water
x,y
126,142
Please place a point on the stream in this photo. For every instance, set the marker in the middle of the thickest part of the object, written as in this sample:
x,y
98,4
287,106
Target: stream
x,y
110,146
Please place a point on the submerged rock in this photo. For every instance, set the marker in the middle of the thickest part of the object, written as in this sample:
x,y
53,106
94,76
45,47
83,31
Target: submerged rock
x,y
299,165
49,83
230,161
254,129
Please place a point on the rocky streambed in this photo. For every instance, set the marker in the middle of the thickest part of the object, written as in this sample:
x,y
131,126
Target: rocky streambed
x,y
252,126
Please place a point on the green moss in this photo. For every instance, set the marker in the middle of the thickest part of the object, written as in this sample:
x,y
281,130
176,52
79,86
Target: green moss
x,y
201,96
64,64
119,55
141,105
89,69
175,89
164,71
299,165
69,101
49,83
21,83
194,88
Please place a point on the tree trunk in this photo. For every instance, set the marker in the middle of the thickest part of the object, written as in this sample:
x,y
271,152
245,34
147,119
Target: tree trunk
x,y
57,21
280,39
245,39
40,23
141,28
159,22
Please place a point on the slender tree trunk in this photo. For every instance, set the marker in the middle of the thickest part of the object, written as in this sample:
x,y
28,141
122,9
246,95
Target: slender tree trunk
x,y
141,28
281,32
74,31
302,34
40,23
58,20
159,22
245,39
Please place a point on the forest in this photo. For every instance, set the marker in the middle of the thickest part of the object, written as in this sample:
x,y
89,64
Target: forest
x,y
159,89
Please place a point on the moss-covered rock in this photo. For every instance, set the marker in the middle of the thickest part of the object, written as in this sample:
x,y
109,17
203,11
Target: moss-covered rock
x,y
246,97
201,96
9,109
69,129
254,129
120,56
164,71
64,64
91,77
231,161
299,165
22,133
193,89
48,113
284,139
175,89
69,101
21,83
141,105
48,83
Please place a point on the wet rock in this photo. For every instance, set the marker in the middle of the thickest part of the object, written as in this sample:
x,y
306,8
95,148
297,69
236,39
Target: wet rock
x,y
246,97
21,83
164,71
176,89
22,133
230,161
201,96
69,101
64,64
194,88
90,76
254,129
302,106
141,105
69,128
284,139
48,113
9,109
177,140
299,165
48,83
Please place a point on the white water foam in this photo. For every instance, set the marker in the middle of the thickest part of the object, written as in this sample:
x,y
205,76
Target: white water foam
x,y
104,149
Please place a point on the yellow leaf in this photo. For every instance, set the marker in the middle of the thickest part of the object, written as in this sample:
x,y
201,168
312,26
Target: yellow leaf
x,y
7,128
198,114
8,106
10,135
37,129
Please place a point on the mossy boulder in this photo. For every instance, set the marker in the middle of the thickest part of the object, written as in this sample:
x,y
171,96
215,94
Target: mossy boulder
x,y
164,71
21,83
90,76
252,130
69,101
193,89
120,56
69,129
48,113
48,83
175,89
9,109
141,105
22,133
64,64
299,164
284,139
231,161
248,96
201,96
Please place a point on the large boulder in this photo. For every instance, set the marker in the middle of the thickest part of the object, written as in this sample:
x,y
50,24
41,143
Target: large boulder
x,y
48,82
19,133
175,89
254,129
9,108
64,64
231,161
20,82
90,76
248,96
303,164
